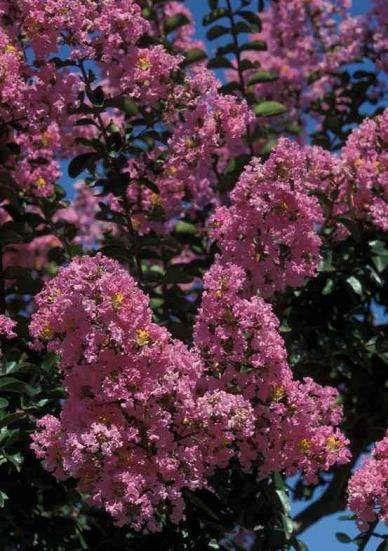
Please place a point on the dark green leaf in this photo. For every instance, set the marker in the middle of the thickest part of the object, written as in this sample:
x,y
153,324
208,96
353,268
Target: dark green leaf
x,y
15,272
246,64
85,122
232,86
256,45
216,32
96,96
229,48
299,545
81,163
150,185
220,62
176,274
214,15
193,55
253,19
342,537
174,22
8,237
129,107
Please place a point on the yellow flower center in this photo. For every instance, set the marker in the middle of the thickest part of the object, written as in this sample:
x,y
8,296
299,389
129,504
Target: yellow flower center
x,y
54,295
45,139
305,445
156,200
40,183
9,49
278,393
333,443
143,337
171,170
117,300
136,222
189,142
144,63
46,333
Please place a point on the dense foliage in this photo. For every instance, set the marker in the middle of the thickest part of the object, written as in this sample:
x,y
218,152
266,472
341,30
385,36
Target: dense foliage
x,y
192,268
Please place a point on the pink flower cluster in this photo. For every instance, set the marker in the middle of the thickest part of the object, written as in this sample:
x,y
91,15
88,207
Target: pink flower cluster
x,y
368,490
379,23
308,42
134,431
239,341
270,229
363,185
7,326
82,213
209,126
146,417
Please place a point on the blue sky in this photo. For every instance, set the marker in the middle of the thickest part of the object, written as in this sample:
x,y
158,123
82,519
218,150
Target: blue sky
x,y
321,537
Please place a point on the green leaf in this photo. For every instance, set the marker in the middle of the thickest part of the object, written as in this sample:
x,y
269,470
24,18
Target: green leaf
x,y
3,497
269,108
85,122
8,237
193,55
262,76
16,459
197,501
231,87
96,96
256,45
129,107
176,274
220,62
253,19
328,288
241,27
150,185
185,228
3,403
81,163
217,31
283,498
355,284
246,64
229,48
288,524
174,22
214,15
10,384
299,545
342,537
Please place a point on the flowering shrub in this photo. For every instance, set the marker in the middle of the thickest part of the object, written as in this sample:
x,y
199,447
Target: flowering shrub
x,y
367,487
187,316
